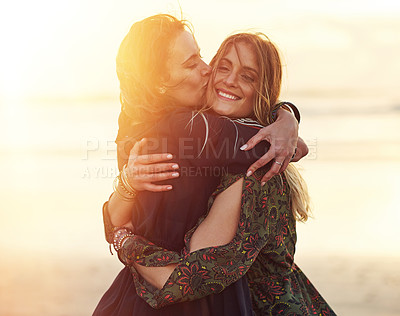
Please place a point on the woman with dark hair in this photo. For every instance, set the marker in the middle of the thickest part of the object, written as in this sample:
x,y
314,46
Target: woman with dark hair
x,y
150,92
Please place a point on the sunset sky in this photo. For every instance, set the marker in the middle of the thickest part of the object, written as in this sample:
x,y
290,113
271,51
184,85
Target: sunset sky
x,y
68,48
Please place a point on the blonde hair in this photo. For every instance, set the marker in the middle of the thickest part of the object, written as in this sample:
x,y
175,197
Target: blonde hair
x,y
268,91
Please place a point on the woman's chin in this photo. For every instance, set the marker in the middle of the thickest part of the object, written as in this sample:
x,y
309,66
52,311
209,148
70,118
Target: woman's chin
x,y
222,111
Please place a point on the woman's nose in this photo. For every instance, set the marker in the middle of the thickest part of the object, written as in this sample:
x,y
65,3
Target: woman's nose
x,y
230,79
206,71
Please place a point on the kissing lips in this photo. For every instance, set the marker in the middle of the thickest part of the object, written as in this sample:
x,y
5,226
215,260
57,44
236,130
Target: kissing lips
x,y
225,95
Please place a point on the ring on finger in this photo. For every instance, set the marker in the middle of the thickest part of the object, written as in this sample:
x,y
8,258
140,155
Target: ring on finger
x,y
279,163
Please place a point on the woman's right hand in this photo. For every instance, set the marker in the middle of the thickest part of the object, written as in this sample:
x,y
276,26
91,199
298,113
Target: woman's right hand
x,y
143,170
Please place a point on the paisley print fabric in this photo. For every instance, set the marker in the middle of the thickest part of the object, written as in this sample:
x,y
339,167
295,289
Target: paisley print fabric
x,y
263,247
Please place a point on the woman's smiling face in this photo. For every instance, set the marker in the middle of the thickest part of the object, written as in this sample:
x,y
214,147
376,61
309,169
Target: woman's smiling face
x,y
232,90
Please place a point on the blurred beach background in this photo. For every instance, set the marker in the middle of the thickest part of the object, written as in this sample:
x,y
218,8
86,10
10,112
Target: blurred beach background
x,y
58,120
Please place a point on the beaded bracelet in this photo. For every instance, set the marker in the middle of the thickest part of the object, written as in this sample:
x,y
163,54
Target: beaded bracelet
x,y
120,235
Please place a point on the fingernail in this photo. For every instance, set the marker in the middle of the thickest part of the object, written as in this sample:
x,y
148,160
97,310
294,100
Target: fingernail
x,y
175,174
169,156
175,167
249,173
263,183
244,147
169,188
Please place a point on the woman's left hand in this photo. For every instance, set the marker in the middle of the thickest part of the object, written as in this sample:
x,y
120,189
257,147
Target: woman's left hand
x,y
282,135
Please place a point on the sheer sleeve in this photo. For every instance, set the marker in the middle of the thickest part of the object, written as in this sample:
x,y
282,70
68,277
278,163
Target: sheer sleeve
x,y
209,270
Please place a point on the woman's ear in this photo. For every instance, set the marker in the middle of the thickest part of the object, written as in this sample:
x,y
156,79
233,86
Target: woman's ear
x,y
163,83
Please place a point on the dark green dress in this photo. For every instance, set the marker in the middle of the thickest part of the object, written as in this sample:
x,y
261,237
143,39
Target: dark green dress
x,y
263,247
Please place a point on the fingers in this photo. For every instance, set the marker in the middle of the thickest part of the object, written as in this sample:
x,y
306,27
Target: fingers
x,y
155,168
147,180
261,135
275,168
138,170
251,143
153,158
284,165
146,159
154,177
144,182
260,162
142,170
136,159
281,161
157,188
135,150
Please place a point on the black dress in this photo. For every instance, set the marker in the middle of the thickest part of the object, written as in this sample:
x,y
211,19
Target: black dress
x,y
206,147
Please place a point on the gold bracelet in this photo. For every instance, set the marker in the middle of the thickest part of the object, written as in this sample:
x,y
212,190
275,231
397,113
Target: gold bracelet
x,y
119,194
122,186
124,178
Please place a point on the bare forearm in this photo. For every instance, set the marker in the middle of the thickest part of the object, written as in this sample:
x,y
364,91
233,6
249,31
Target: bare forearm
x,y
120,211
156,276
301,146
217,229
220,225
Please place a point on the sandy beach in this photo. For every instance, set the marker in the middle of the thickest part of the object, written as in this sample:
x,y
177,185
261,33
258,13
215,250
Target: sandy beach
x,y
55,260
72,285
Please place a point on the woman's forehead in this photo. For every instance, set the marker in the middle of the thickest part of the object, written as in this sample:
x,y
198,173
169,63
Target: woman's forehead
x,y
242,53
184,47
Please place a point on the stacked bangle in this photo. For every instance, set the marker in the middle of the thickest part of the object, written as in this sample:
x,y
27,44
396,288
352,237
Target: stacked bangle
x,y
122,187
124,178
120,192
120,235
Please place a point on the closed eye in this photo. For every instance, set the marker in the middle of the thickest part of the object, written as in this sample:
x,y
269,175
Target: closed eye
x,y
248,78
223,68
192,66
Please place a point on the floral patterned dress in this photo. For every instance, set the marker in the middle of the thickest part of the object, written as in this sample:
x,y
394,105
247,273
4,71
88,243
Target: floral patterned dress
x,y
263,247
